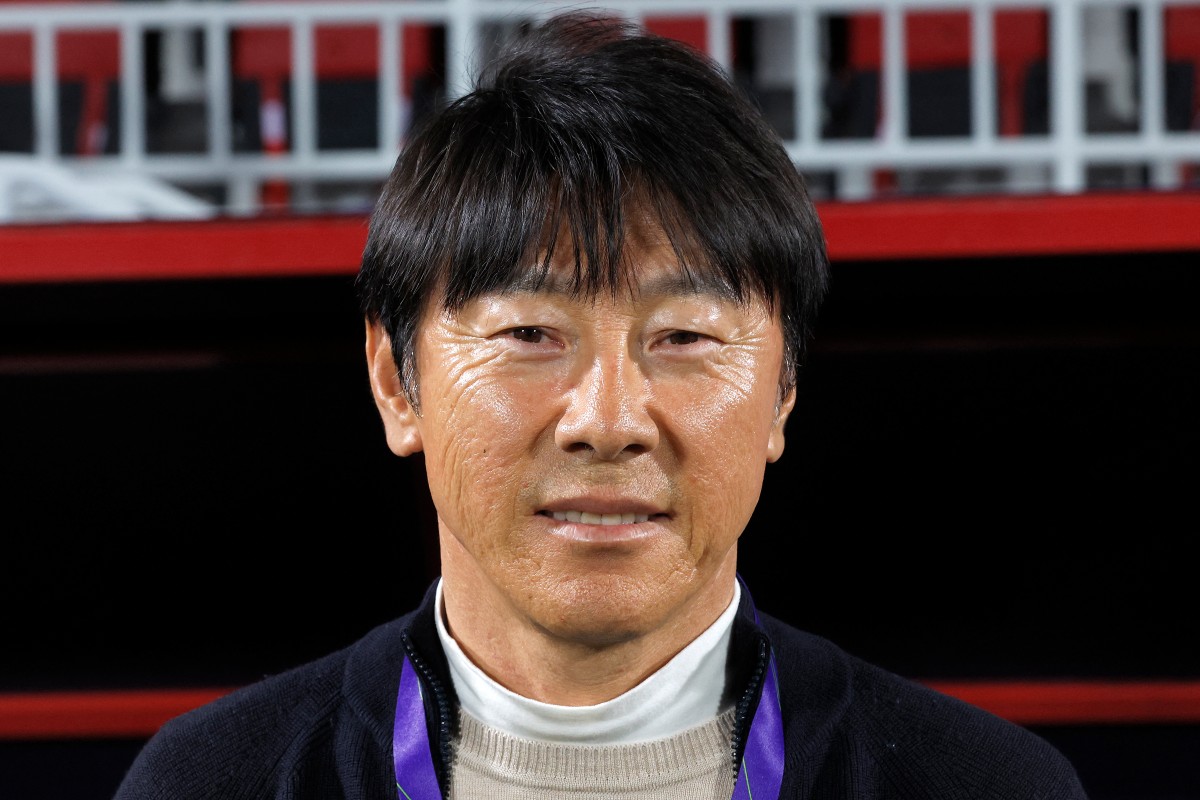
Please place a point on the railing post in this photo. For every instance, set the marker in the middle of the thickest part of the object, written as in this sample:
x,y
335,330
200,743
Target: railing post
x,y
216,78
462,36
809,78
241,190
983,76
391,61
304,108
133,98
895,74
45,91
1066,96
719,42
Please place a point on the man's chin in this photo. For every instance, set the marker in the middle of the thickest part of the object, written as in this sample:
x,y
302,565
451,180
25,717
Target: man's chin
x,y
595,631
602,611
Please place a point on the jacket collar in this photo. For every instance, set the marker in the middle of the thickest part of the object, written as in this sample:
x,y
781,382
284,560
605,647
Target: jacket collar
x,y
746,667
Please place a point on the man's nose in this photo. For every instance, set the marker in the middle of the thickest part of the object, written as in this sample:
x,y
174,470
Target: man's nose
x,y
607,414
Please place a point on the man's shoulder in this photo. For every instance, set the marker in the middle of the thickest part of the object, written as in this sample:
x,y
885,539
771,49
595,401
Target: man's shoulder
x,y
851,723
300,720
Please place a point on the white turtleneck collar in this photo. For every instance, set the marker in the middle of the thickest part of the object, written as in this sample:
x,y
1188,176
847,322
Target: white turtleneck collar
x,y
686,692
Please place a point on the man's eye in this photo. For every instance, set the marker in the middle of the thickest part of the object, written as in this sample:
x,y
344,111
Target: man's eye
x,y
530,335
683,337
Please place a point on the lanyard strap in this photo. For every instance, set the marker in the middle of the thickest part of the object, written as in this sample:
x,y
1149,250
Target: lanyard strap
x,y
759,776
415,777
761,772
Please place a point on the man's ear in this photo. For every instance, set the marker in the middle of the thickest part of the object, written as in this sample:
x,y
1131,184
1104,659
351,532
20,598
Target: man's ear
x,y
775,441
399,418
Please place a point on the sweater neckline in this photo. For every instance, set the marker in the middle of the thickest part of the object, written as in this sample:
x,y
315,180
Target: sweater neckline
x,y
632,766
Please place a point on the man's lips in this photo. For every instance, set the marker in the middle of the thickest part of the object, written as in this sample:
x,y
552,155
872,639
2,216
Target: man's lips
x,y
607,511
588,518
606,529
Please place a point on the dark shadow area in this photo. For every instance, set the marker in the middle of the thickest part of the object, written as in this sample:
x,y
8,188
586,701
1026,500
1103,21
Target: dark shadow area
x,y
990,470
199,493
35,770
1154,760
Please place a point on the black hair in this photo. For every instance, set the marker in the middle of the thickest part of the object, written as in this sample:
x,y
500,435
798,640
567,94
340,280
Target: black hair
x,y
580,125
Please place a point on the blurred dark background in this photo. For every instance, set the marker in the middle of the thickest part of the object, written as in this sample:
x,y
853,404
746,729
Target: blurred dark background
x,y
990,473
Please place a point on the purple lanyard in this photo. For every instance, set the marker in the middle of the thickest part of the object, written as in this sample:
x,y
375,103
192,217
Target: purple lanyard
x,y
759,776
415,778
761,772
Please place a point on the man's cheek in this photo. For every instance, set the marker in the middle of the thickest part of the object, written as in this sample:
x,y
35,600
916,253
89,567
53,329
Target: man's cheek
x,y
476,473
483,461
728,413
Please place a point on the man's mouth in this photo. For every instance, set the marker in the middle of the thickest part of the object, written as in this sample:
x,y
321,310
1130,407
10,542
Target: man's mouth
x,y
588,518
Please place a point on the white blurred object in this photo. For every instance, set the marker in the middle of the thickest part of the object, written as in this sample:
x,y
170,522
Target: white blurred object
x,y
1107,59
32,190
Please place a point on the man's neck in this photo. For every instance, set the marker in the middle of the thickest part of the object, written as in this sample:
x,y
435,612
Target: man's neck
x,y
516,652
689,691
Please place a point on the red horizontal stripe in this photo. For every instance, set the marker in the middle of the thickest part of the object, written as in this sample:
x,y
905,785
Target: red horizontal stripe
x,y
1012,226
281,246
876,230
139,713
95,715
1062,702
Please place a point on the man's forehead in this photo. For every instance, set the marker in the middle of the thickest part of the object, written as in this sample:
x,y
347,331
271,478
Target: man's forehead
x,y
644,279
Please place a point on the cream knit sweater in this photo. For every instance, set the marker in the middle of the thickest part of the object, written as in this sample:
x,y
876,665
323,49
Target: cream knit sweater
x,y
693,765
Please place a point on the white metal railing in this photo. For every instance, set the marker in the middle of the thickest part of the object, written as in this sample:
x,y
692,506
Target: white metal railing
x,y
1062,155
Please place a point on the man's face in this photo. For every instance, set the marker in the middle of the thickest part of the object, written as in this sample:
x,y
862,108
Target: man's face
x,y
594,460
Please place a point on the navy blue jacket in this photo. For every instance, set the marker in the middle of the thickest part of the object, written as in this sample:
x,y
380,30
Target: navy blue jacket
x,y
852,731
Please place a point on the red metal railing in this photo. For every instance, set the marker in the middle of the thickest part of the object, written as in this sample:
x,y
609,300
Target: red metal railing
x,y
894,230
